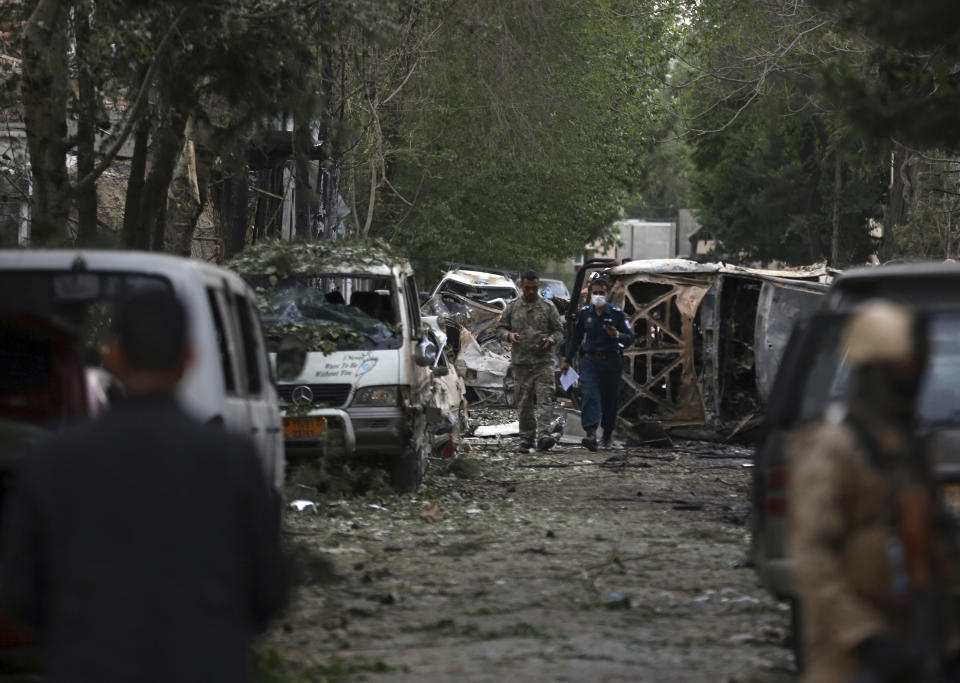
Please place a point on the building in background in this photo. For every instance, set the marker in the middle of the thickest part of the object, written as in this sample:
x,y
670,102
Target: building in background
x,y
641,239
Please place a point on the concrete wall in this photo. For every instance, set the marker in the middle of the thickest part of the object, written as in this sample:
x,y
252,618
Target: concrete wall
x,y
687,225
646,239
641,240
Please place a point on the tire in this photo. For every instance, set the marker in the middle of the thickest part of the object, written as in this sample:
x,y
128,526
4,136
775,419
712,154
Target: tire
x,y
406,471
796,633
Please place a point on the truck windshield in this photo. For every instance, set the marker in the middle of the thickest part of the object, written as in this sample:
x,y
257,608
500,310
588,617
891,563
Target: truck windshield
x,y
331,312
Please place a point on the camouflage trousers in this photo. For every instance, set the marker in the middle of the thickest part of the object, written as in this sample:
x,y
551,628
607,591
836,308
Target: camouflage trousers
x,y
535,390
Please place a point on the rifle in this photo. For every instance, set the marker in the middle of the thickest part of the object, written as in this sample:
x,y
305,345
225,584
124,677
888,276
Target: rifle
x,y
915,526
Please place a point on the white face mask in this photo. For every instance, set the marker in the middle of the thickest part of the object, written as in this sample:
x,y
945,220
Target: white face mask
x,y
598,300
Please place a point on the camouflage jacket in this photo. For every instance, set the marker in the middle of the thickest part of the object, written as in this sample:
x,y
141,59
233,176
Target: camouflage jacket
x,y
534,323
839,534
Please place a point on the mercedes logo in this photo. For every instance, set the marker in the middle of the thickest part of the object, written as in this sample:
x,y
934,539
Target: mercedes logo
x,y
302,395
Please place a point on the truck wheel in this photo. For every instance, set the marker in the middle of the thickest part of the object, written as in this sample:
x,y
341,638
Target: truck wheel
x,y
406,472
796,633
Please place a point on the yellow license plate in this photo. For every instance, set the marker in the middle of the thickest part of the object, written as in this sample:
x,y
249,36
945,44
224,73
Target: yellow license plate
x,y
304,427
950,494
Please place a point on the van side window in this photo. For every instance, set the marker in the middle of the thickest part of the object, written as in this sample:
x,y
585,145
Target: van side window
x,y
413,305
229,379
250,345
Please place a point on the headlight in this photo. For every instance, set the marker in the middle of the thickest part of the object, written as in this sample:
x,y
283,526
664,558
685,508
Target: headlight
x,y
376,396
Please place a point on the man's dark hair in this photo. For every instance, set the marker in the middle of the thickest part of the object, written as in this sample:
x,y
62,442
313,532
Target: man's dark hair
x,y
530,275
151,328
599,280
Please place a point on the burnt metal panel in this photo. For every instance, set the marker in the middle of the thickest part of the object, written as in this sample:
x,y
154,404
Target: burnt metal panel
x,y
778,309
709,338
660,370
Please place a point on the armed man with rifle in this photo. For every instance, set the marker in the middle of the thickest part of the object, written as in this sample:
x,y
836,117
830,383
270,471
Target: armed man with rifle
x,y
862,514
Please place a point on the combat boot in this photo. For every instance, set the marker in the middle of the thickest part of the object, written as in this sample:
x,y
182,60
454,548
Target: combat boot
x,y
590,440
523,447
606,443
546,443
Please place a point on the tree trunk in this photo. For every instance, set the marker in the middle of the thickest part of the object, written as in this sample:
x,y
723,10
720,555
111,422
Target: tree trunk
x,y
329,173
166,145
44,92
835,236
184,205
233,198
86,131
269,203
894,211
303,188
134,234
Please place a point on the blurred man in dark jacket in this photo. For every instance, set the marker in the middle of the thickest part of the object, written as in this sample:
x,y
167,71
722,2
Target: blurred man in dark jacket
x,y
144,546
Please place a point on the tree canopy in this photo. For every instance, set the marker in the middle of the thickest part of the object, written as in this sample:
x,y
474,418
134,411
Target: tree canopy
x,y
505,132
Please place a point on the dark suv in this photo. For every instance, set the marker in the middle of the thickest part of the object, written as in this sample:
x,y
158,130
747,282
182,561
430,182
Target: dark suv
x,y
813,375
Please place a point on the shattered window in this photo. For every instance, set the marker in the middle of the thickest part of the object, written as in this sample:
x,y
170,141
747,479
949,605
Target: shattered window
x,y
332,312
550,289
827,381
82,302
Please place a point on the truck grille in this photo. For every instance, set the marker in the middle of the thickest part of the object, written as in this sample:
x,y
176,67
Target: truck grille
x,y
332,395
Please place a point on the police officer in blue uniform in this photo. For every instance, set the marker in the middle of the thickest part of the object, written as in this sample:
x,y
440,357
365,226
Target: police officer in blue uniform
x,y
601,332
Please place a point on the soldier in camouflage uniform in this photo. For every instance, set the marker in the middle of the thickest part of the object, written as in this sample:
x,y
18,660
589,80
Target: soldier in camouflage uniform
x,y
532,325
859,518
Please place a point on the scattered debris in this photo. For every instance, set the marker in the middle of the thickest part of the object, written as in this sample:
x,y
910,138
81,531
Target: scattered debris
x,y
304,506
508,429
432,513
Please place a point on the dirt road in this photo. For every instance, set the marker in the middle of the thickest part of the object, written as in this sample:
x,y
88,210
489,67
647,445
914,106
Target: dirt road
x,y
536,567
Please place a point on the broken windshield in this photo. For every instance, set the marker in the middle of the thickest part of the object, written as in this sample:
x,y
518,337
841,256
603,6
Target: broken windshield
x,y
331,312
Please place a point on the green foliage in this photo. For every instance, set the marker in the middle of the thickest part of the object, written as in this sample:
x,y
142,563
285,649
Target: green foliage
x,y
279,260
767,145
909,85
519,134
283,259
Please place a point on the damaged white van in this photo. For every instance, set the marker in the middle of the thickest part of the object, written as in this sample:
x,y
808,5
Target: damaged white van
x,y
370,385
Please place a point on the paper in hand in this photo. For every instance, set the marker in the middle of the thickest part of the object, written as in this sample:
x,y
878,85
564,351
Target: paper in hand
x,y
568,378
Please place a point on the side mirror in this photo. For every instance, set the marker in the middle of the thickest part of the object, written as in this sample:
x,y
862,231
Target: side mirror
x,y
425,352
291,357
440,370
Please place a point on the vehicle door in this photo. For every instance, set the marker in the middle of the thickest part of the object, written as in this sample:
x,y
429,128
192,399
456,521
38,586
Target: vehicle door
x,y
266,427
810,378
235,410
419,376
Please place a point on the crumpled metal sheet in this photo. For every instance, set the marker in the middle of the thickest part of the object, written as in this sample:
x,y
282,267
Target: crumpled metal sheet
x,y
679,266
453,309
482,361
480,367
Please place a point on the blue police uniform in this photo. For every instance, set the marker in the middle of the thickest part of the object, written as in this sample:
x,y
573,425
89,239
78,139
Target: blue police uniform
x,y
600,365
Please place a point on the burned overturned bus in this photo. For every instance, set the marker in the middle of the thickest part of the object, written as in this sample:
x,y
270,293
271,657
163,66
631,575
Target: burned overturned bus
x,y
709,337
